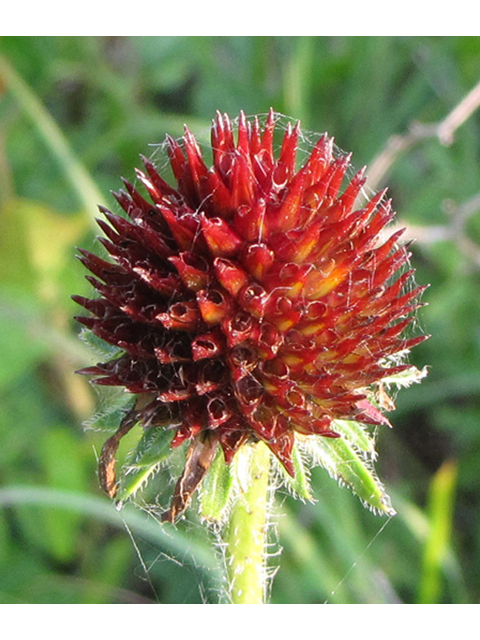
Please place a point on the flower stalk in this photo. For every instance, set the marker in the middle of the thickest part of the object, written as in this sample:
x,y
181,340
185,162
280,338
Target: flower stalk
x,y
247,534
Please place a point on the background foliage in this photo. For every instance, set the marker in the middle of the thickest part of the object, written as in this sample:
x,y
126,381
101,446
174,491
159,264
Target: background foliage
x,y
60,540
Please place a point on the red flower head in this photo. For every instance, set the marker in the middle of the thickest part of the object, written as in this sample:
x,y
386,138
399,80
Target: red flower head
x,y
253,300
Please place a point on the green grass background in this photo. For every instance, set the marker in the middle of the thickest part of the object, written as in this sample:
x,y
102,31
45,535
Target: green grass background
x,y
109,98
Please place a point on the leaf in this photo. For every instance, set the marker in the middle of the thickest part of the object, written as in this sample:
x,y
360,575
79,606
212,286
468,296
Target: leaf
x,y
216,489
154,447
345,461
176,542
438,540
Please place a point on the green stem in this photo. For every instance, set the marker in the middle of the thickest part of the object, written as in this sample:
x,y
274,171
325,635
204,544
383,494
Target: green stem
x,y
247,537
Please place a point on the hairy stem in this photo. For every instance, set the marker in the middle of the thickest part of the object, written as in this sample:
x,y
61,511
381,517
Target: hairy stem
x,y
247,536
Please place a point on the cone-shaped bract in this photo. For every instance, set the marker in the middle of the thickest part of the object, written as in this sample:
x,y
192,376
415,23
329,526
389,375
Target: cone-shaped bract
x,y
252,300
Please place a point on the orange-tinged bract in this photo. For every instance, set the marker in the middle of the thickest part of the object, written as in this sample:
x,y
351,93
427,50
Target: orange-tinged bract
x,y
253,300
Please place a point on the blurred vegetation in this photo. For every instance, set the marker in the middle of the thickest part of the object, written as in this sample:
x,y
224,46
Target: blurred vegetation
x,y
75,112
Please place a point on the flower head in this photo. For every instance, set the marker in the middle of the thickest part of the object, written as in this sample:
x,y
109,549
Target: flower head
x,y
253,300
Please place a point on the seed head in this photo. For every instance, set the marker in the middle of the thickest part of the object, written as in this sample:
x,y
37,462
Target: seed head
x,y
251,301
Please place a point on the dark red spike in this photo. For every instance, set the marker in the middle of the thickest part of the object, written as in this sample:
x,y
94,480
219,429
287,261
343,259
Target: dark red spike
x,y
255,137
221,239
286,216
222,142
98,306
160,187
412,342
319,160
220,201
137,199
184,229
193,270
242,187
90,371
390,265
101,268
126,203
107,230
230,275
123,227
250,222
341,166
243,143
350,194
177,159
288,153
267,138
198,169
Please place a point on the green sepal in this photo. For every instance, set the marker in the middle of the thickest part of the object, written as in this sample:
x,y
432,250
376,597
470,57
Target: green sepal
x,y
357,434
299,485
98,346
216,489
115,405
152,449
345,460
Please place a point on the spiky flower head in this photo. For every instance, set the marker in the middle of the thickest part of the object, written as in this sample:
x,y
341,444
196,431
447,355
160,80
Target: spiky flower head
x,y
253,300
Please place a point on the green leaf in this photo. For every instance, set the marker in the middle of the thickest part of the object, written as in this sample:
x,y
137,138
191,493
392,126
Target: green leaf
x,y
174,541
346,460
216,489
438,541
154,447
